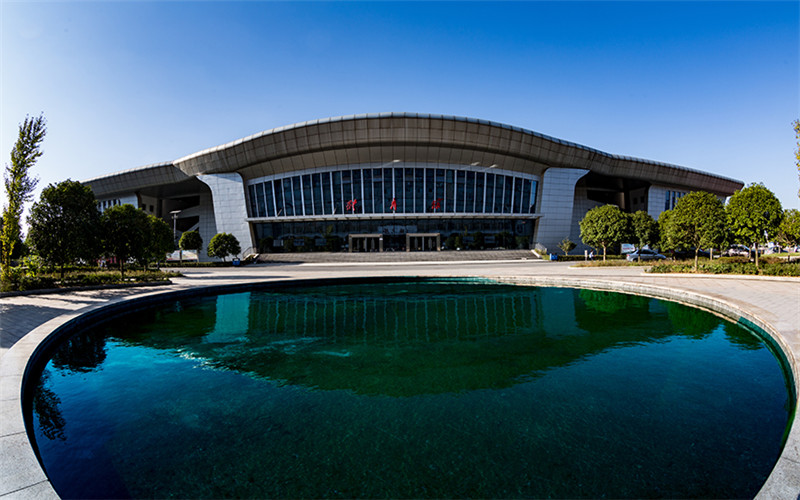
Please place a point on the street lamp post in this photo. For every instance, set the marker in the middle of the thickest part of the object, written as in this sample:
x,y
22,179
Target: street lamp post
x,y
174,214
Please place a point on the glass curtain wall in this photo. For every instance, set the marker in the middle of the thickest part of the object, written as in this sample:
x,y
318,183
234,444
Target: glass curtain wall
x,y
400,190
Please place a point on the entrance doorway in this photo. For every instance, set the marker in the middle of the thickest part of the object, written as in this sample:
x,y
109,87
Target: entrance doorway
x,y
423,241
372,242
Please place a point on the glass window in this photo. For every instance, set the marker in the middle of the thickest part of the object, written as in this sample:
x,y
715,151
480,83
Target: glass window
x,y
316,184
251,189
470,192
430,189
270,200
498,193
326,193
449,191
307,196
347,189
408,198
381,204
297,193
358,193
397,194
419,190
480,190
527,207
279,198
439,195
489,207
461,179
516,200
388,191
288,197
369,180
261,209
338,203
508,194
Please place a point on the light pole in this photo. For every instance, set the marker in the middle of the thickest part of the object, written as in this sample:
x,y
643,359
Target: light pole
x,y
174,214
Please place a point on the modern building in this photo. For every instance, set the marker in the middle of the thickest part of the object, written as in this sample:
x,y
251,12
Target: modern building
x,y
401,181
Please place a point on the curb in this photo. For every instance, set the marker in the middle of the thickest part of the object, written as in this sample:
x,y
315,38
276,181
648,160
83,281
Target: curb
x,y
70,289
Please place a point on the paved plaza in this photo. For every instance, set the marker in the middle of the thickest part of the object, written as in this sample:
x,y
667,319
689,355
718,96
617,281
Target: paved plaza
x,y
771,303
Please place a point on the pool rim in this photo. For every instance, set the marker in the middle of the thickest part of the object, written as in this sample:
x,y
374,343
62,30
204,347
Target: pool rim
x,y
40,340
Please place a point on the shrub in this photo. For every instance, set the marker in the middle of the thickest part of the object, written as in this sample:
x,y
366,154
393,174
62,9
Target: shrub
x,y
745,268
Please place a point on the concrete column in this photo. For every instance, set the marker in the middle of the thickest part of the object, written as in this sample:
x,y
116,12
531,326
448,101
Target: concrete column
x,y
230,212
556,207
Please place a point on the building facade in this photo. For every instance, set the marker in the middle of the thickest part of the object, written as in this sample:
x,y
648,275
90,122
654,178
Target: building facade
x,y
398,181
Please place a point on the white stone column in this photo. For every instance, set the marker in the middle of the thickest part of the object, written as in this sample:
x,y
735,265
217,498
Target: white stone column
x,y
556,207
230,212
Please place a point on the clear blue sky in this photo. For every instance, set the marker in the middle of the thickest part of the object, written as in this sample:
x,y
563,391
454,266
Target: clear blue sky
x,y
712,86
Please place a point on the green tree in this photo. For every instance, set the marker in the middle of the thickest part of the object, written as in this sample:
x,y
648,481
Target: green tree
x,y
126,233
191,240
20,248
665,237
64,224
19,186
161,240
222,245
796,125
697,221
604,226
566,245
645,229
754,215
789,230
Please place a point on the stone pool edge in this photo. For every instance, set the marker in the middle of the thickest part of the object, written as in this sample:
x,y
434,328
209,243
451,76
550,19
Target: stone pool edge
x,y
22,477
776,485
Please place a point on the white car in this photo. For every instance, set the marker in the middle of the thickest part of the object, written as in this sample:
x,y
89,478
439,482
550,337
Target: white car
x,y
738,251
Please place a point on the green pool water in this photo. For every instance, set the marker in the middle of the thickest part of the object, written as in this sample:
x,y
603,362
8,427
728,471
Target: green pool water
x,y
433,388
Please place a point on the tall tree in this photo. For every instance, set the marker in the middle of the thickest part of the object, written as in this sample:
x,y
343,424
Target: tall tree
x,y
222,245
125,234
64,224
796,124
604,226
645,228
697,221
19,185
754,215
161,240
191,240
789,230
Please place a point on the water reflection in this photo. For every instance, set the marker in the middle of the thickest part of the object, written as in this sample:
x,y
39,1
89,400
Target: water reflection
x,y
401,339
46,405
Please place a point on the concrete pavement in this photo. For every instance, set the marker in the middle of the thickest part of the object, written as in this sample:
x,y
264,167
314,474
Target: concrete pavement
x,y
25,321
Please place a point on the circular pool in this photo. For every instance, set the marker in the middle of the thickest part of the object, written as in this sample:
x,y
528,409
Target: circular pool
x,y
412,388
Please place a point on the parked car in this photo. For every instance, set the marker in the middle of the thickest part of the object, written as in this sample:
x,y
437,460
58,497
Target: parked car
x,y
737,251
645,254
688,254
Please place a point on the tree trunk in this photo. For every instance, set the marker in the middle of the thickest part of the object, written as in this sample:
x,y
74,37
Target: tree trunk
x,y
604,253
696,253
755,250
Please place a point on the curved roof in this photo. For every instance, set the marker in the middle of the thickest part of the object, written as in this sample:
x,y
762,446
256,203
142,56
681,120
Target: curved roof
x,y
377,138
413,137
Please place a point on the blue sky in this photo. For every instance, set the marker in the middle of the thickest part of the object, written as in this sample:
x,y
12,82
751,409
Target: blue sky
x,y
712,86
